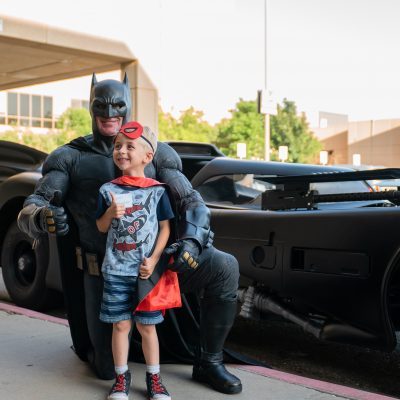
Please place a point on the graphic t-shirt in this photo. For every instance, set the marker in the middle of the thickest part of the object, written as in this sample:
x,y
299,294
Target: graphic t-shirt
x,y
132,237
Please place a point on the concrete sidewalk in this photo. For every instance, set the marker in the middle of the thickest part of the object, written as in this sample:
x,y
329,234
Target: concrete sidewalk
x,y
36,363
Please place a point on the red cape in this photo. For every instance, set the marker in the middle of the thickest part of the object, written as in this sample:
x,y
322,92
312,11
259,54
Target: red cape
x,y
137,181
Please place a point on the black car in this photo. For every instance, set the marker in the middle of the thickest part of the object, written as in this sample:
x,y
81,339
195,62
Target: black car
x,y
331,266
315,244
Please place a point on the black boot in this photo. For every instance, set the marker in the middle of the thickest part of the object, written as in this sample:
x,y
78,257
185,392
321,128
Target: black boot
x,y
216,321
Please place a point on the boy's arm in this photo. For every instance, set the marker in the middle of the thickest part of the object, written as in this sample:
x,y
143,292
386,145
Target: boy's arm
x,y
163,236
103,223
114,211
148,265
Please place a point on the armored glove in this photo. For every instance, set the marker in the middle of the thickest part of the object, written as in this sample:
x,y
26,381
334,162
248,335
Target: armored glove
x,y
53,218
186,255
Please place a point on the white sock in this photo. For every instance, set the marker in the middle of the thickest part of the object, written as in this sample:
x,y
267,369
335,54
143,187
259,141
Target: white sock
x,y
153,369
120,369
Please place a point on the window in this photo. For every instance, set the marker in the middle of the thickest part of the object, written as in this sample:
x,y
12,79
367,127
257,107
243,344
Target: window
x,y
24,105
28,110
12,104
77,103
235,189
47,107
245,190
36,106
24,122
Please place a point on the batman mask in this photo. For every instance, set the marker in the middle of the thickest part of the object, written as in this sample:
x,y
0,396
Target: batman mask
x,y
109,98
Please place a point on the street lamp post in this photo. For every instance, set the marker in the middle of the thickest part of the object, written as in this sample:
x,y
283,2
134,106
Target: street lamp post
x,y
267,139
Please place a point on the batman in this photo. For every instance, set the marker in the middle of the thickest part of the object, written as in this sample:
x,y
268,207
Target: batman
x,y
63,205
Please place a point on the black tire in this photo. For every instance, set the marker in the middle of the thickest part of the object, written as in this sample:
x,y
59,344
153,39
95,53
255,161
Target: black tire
x,y
24,270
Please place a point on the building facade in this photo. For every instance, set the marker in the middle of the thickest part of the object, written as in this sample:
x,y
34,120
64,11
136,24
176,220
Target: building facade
x,y
372,142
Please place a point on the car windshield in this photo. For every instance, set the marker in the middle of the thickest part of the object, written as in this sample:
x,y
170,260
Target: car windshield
x,y
246,189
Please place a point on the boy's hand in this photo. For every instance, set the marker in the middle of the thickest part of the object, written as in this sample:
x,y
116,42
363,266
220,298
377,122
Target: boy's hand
x,y
116,210
147,268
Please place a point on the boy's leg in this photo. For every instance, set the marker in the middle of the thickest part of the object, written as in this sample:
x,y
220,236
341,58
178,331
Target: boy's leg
x,y
116,309
120,349
145,323
150,344
120,342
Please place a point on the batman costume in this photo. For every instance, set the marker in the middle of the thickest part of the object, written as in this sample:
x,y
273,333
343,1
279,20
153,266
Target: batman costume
x,y
64,203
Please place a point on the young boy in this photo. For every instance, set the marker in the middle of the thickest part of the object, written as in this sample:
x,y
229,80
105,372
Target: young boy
x,y
135,211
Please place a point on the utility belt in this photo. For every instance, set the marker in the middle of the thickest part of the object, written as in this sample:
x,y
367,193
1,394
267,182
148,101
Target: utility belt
x,y
87,262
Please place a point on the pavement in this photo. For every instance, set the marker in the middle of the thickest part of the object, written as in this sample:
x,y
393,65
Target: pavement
x,y
37,363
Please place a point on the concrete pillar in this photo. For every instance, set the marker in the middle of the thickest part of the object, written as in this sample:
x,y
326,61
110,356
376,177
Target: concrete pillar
x,y
144,95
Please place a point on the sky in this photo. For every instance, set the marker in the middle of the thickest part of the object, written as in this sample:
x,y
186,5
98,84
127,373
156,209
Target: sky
x,y
340,56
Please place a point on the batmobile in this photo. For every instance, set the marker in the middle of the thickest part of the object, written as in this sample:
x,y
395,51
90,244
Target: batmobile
x,y
315,244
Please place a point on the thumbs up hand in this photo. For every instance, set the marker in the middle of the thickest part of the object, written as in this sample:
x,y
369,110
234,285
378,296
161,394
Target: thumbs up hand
x,y
116,210
53,218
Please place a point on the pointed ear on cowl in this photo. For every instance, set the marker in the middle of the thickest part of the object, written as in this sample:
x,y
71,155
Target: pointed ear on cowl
x,y
94,79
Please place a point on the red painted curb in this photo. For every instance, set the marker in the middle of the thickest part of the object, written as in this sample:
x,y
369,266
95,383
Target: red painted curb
x,y
32,314
315,384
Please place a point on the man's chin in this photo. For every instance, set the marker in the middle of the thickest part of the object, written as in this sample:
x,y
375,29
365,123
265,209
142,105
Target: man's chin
x,y
108,128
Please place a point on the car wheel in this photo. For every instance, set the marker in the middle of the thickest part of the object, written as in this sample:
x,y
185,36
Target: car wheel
x,y
24,270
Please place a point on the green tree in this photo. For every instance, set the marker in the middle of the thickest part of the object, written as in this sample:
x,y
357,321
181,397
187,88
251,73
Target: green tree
x,y
292,130
75,120
43,142
190,126
246,125
167,126
72,123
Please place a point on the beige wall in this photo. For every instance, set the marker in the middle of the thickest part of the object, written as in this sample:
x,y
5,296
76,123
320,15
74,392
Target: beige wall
x,y
334,140
378,142
336,145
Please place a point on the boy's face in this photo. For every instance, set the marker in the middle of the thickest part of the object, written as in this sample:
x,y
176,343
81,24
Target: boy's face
x,y
131,155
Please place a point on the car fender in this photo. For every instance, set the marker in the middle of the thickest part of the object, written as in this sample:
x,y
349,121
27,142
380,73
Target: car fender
x,y
13,192
18,186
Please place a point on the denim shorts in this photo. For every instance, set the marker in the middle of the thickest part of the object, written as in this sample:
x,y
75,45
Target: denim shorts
x,y
118,298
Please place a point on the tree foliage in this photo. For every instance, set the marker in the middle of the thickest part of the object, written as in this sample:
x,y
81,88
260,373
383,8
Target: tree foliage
x,y
76,120
190,126
292,130
246,125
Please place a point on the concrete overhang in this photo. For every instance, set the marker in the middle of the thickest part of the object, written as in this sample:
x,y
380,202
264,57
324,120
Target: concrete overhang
x,y
33,53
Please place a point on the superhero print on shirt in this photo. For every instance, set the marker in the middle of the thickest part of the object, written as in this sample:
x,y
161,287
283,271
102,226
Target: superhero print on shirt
x,y
130,225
